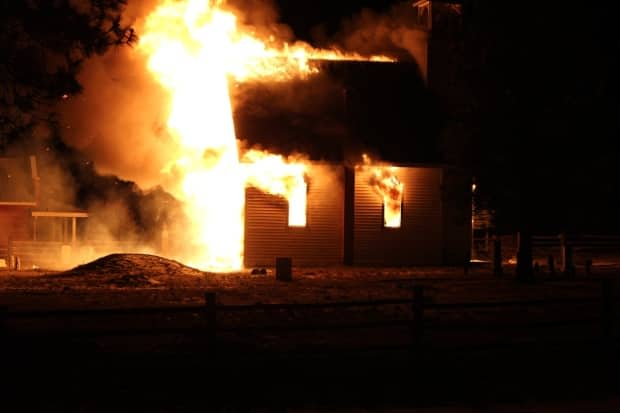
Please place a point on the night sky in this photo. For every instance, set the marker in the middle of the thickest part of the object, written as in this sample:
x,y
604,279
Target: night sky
x,y
306,17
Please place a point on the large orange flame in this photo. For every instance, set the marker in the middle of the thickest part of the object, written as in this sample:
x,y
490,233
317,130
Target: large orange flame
x,y
194,48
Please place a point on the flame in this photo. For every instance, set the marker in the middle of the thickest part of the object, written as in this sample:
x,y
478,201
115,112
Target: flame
x,y
275,175
194,49
185,55
386,184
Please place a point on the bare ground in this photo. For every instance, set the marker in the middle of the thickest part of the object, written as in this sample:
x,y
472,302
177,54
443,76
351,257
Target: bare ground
x,y
137,374
121,280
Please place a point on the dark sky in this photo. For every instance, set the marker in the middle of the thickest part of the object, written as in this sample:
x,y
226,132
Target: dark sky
x,y
304,16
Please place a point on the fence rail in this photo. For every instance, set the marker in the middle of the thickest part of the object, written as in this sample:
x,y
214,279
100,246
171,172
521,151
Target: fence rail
x,y
551,241
504,304
581,241
562,249
419,323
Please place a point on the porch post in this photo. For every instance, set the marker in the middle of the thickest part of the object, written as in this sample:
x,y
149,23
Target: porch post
x,y
73,231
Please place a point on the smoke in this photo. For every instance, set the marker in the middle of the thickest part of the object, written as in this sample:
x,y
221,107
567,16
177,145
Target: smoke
x,y
261,18
113,145
119,121
303,115
392,33
56,183
130,214
15,180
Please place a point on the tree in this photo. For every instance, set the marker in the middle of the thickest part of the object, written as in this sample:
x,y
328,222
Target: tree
x,y
538,112
43,44
533,115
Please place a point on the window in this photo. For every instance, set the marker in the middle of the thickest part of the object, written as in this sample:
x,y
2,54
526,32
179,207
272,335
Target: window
x,y
384,182
393,210
297,206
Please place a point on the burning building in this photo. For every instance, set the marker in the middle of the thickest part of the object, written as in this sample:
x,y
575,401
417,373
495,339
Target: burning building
x,y
370,214
238,105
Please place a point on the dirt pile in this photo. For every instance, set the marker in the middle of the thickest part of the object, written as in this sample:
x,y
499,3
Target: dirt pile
x,y
130,270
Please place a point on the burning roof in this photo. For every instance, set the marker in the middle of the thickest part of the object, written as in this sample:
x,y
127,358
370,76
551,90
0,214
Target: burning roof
x,y
344,110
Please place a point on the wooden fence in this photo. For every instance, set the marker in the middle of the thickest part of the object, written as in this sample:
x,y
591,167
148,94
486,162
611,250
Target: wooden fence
x,y
417,323
584,246
594,242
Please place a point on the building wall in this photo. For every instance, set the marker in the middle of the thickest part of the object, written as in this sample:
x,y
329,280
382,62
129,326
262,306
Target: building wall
x,y
419,239
457,210
14,224
321,242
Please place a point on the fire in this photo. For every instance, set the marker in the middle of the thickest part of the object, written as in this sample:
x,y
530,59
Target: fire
x,y
275,175
386,184
194,49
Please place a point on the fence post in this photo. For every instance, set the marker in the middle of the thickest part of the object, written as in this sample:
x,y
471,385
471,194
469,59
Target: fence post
x,y
525,265
588,267
486,241
9,254
607,308
4,330
569,269
568,266
551,264
3,326
497,258
211,319
417,320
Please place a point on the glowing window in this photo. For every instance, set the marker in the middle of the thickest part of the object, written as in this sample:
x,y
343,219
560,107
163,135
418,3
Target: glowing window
x,y
297,205
393,210
384,182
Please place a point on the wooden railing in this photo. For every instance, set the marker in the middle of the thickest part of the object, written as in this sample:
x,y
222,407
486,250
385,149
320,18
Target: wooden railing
x,y
579,241
207,326
585,248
